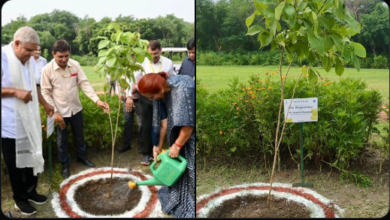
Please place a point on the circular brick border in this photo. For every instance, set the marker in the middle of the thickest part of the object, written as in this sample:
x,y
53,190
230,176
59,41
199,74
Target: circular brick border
x,y
319,206
65,206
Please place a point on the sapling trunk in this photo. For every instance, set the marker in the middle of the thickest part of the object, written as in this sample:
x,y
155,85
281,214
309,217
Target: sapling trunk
x,y
113,138
278,141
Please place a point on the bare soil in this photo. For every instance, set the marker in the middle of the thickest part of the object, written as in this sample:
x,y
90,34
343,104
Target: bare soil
x,y
104,198
358,202
256,207
101,157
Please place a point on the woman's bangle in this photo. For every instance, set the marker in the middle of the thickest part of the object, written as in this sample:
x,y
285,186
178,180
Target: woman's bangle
x,y
178,145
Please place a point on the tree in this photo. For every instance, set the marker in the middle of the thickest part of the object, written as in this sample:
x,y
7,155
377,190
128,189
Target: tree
x,y
359,7
84,33
8,31
115,58
316,30
47,41
375,29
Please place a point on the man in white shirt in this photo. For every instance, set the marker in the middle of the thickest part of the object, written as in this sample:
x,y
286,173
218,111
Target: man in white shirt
x,y
39,62
130,100
145,106
60,82
21,131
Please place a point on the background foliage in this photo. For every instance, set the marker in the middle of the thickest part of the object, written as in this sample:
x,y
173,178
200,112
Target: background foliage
x,y
220,27
81,33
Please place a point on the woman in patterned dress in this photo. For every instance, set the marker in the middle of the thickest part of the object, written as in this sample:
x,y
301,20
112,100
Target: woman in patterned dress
x,y
177,94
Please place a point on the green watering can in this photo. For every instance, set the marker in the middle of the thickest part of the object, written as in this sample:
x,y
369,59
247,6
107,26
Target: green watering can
x,y
167,173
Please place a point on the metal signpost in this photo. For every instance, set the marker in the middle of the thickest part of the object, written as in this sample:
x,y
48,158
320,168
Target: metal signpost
x,y
299,111
50,130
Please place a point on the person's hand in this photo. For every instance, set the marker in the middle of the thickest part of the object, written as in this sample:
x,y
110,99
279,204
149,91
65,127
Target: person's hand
x,y
174,151
23,95
104,106
129,104
49,109
156,152
59,120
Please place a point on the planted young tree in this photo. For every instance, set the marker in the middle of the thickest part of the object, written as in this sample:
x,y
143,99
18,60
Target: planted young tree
x,y
312,29
116,58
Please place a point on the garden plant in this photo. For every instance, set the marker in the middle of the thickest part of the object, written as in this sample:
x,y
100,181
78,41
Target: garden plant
x,y
115,58
315,29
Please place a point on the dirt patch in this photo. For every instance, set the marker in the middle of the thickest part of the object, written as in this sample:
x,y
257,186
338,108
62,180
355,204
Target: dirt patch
x,y
382,115
101,198
101,157
357,202
256,207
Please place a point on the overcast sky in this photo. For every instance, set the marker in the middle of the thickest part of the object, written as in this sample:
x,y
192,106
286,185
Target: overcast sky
x,y
99,9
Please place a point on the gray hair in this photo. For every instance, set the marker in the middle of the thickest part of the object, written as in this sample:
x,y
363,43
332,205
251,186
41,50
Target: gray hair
x,y
26,35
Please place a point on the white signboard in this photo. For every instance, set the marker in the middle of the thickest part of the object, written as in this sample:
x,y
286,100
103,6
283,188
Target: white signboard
x,y
301,110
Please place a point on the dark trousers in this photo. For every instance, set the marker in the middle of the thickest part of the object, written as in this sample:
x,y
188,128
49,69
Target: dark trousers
x,y
129,122
77,124
145,110
23,181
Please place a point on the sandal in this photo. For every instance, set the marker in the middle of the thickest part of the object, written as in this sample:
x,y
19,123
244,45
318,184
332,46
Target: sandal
x,y
145,160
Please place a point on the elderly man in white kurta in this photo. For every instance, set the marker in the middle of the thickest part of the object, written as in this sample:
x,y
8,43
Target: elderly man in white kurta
x,y
21,132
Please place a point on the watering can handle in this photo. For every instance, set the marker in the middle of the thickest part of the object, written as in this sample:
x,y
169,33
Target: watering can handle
x,y
167,152
178,156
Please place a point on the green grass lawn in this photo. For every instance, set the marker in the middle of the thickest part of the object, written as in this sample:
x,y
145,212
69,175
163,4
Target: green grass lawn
x,y
217,77
97,81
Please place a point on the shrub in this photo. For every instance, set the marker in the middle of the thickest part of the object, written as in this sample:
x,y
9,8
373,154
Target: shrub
x,y
267,58
97,132
247,116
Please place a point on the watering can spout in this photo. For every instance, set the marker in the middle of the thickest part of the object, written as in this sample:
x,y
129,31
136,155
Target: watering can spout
x,y
149,182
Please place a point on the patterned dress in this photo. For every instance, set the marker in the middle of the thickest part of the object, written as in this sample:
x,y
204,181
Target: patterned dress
x,y
179,199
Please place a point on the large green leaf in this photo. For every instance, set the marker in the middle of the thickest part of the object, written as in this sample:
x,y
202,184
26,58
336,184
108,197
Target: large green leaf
x,y
103,44
302,5
358,49
304,47
338,41
313,78
336,3
290,56
269,13
290,22
347,53
328,44
318,44
339,67
353,24
260,7
279,10
272,24
102,53
290,10
312,57
111,61
274,45
265,38
327,63
356,63
254,30
250,19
